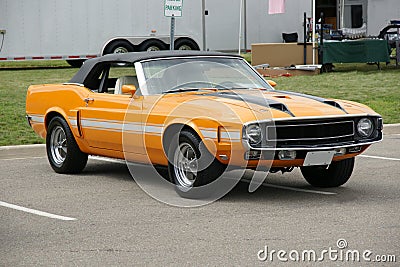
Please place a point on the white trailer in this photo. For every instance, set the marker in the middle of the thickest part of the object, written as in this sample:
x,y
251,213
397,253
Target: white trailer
x,y
75,30
81,29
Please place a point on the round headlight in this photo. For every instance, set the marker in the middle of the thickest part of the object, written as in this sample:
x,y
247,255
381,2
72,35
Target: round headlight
x,y
365,127
253,134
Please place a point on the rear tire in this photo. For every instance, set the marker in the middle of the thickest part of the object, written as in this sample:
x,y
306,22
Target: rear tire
x,y
63,152
337,174
188,168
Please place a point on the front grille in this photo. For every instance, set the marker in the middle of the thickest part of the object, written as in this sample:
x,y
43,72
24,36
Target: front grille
x,y
310,131
314,133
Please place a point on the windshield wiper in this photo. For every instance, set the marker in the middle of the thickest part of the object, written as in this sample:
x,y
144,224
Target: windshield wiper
x,y
188,89
242,88
178,90
181,90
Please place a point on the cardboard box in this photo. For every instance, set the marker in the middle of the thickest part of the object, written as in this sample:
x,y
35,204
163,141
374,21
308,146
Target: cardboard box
x,y
281,54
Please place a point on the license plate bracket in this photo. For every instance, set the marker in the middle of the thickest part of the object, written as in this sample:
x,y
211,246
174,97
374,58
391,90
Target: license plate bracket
x,y
318,158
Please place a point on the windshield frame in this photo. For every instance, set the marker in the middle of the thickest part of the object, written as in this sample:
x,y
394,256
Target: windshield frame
x,y
142,77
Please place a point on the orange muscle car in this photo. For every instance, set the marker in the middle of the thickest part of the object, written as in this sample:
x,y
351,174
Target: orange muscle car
x,y
196,113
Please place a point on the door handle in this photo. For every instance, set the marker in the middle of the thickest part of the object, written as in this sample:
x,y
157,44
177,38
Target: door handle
x,y
88,100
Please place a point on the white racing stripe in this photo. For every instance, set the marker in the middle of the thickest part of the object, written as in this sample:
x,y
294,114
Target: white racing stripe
x,y
377,157
36,212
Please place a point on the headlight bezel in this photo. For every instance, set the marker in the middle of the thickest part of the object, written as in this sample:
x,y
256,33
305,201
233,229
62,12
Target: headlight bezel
x,y
362,131
253,134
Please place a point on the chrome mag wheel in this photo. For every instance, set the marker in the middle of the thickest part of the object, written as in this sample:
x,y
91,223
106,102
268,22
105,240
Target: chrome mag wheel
x,y
185,166
58,142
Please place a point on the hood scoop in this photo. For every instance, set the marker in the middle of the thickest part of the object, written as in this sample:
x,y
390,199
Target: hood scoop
x,y
281,107
334,104
263,102
316,98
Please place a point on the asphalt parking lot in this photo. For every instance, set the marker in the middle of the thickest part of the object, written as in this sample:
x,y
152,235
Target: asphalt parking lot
x,y
101,217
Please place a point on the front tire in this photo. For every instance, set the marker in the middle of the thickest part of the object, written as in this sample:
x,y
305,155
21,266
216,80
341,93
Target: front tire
x,y
191,166
337,174
63,153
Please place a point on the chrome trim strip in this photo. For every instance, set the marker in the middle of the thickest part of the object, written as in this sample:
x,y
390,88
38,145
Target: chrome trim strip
x,y
141,79
313,117
314,138
77,84
186,57
28,119
309,148
37,118
308,124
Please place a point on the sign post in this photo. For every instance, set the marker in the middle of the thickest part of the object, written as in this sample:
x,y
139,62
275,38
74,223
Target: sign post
x,y
173,9
172,34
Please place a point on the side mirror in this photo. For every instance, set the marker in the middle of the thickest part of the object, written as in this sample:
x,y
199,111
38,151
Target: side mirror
x,y
128,89
272,83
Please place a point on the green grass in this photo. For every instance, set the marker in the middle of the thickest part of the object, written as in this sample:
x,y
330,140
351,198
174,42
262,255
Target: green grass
x,y
14,129
34,64
358,82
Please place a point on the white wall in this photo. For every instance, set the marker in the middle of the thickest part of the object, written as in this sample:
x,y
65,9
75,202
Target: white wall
x,y
265,28
222,23
77,27
380,12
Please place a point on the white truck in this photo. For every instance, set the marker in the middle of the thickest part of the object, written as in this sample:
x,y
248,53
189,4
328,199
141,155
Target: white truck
x,y
75,30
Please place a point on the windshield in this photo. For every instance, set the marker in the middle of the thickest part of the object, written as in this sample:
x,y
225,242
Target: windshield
x,y
191,74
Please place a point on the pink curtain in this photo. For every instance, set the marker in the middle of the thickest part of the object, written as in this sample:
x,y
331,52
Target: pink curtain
x,y
276,6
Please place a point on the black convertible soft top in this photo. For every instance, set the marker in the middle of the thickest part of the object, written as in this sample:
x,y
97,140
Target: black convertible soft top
x,y
87,67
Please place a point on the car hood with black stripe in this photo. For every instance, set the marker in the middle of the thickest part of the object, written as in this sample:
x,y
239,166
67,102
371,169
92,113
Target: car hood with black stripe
x,y
263,104
289,103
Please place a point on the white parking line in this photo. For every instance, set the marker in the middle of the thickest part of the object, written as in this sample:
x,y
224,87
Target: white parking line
x,y
36,212
23,158
377,157
300,189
